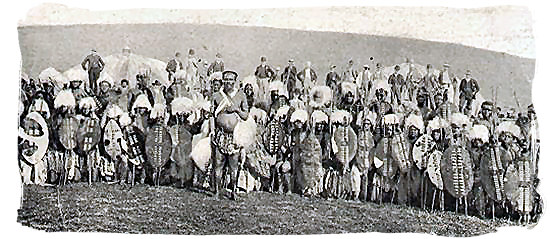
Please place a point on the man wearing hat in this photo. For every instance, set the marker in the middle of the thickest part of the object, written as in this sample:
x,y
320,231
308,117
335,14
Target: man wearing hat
x,y
174,65
365,82
264,74
94,65
397,83
289,76
332,78
468,90
216,66
230,107
192,69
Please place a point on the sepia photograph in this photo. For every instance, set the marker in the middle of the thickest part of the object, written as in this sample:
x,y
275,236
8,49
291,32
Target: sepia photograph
x,y
277,120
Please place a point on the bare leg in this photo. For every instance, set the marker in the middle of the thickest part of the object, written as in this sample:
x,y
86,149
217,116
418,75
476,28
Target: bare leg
x,y
466,206
433,200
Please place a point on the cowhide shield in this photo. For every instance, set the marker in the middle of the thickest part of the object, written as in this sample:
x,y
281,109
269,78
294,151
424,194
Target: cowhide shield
x,y
400,152
89,134
135,138
346,141
519,186
456,171
37,136
421,150
383,154
309,173
434,169
181,151
274,137
112,136
158,145
67,132
492,173
364,156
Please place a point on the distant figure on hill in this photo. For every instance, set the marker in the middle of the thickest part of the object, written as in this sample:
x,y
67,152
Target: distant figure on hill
x,y
94,65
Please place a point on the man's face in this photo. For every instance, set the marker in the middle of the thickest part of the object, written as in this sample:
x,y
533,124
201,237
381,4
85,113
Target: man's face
x,y
248,90
349,97
413,132
380,95
438,100
124,84
76,84
274,95
421,98
298,124
506,138
216,85
486,113
319,127
104,86
436,135
228,85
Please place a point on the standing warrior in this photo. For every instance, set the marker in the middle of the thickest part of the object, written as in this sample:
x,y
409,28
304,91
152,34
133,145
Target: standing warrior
x,y
468,89
479,139
89,135
348,99
385,162
177,88
344,148
230,107
173,66
414,126
276,145
182,166
443,108
192,70
365,145
67,127
94,65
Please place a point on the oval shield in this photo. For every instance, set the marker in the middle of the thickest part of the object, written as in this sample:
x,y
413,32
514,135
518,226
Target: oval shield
x,y
421,150
434,169
158,145
112,138
89,134
456,171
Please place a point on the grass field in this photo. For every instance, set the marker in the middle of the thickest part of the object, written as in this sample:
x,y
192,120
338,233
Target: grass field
x,y
169,210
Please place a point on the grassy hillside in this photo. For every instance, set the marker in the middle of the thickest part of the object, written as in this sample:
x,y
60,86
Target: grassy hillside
x,y
65,46
169,210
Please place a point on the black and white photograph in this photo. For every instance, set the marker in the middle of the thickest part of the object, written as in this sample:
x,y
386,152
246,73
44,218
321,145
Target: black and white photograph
x,y
277,120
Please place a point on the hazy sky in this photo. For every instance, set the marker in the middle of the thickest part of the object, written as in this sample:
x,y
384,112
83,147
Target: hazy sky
x,y
503,29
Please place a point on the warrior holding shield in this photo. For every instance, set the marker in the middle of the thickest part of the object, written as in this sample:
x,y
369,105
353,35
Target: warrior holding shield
x,y
230,107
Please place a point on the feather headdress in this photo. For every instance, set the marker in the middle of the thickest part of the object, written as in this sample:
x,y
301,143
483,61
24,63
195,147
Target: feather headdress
x,y
391,119
158,110
299,115
125,120
257,114
340,116
279,87
283,111
437,123
113,111
479,131
348,87
142,102
371,117
182,105
416,121
510,127
319,116
64,98
320,96
88,103
461,120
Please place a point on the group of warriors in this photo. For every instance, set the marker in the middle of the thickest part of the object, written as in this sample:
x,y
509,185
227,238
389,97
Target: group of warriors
x,y
427,140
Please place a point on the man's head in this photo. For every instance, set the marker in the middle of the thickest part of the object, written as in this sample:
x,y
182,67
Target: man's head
x,y
178,54
350,63
229,79
379,66
446,67
468,74
396,68
349,97
218,56
291,62
429,67
124,83
249,90
104,86
75,83
308,64
487,109
333,67
366,67
191,52
413,132
380,94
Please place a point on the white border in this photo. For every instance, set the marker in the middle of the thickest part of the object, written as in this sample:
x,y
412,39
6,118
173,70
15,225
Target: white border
x,y
10,62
